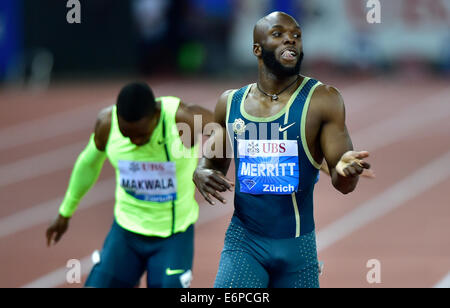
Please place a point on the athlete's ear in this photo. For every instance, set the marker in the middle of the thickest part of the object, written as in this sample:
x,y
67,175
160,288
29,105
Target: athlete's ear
x,y
257,49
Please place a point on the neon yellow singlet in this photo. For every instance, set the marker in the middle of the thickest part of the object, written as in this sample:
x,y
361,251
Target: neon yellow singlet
x,y
148,217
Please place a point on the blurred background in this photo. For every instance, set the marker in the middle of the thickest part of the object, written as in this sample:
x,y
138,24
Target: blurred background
x,y
394,77
212,37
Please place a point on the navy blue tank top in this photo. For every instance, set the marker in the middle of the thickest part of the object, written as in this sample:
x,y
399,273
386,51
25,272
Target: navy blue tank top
x,y
279,213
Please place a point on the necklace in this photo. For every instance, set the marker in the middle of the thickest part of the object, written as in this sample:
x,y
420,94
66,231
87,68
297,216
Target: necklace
x,y
274,97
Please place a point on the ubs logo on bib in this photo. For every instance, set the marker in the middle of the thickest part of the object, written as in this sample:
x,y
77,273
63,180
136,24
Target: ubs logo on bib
x,y
134,167
253,148
274,147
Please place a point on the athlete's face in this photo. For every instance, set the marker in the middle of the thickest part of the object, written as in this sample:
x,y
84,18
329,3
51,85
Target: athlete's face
x,y
281,48
139,132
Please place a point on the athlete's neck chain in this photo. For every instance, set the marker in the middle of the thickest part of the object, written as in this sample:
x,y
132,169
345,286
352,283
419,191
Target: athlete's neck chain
x,y
274,97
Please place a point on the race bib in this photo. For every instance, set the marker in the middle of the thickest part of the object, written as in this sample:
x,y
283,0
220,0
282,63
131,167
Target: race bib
x,y
268,166
147,181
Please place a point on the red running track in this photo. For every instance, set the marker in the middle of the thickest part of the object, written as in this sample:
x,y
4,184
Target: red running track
x,y
401,218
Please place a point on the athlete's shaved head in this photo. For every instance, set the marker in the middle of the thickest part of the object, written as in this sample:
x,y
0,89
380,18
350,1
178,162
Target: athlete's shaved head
x,y
265,23
135,101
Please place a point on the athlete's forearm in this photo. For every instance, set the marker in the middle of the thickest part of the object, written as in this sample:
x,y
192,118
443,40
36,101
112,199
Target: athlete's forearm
x,y
84,174
217,151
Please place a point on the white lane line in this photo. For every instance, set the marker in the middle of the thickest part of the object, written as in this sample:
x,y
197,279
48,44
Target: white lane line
x,y
397,195
399,126
51,126
41,164
444,283
58,277
44,212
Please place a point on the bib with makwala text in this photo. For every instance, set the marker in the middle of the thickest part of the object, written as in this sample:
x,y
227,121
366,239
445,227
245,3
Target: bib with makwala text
x,y
148,181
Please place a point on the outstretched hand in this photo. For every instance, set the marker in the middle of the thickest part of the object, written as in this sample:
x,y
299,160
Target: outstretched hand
x,y
210,182
56,229
352,164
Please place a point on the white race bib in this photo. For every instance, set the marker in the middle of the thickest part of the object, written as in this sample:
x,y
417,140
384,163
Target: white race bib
x,y
148,181
268,166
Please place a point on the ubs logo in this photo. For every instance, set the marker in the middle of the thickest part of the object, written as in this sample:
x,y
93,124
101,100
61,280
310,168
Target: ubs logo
x,y
134,167
274,148
253,148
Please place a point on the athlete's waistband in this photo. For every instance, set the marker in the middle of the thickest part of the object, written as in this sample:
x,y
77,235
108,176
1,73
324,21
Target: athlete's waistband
x,y
236,220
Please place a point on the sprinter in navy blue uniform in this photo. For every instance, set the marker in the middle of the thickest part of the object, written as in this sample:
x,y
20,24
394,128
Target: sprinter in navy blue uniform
x,y
279,130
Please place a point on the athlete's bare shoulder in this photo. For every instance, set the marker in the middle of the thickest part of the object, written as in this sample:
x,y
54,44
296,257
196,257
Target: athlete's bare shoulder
x,y
102,128
327,102
220,112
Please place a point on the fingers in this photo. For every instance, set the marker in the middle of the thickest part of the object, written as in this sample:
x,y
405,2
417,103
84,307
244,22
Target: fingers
x,y
350,171
49,235
358,168
361,154
365,165
216,186
351,156
222,180
368,173
206,196
215,194
353,169
58,237
53,236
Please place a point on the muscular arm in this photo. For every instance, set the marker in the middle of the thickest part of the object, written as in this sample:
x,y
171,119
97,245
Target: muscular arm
x,y
84,174
209,176
88,165
335,142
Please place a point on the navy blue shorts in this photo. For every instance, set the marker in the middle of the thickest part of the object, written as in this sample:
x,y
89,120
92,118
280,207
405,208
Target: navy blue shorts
x,y
251,261
126,256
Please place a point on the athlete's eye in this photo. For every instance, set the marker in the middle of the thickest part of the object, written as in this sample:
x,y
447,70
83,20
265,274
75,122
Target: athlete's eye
x,y
276,34
297,35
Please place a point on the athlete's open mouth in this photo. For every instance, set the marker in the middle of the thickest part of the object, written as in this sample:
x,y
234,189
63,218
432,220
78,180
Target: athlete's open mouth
x,y
289,54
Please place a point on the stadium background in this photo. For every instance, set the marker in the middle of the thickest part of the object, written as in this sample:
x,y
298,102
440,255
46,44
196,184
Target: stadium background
x,y
394,77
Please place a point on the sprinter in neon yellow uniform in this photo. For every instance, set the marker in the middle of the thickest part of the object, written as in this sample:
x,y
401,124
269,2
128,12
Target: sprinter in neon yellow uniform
x,y
155,209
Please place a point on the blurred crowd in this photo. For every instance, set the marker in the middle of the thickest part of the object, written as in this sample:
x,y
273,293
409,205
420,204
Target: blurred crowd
x,y
213,36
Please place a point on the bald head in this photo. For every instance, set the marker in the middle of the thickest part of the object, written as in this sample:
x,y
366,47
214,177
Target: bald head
x,y
264,24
